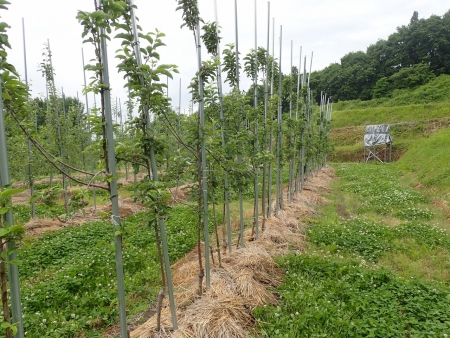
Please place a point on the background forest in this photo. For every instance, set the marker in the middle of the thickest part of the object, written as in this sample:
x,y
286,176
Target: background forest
x,y
412,56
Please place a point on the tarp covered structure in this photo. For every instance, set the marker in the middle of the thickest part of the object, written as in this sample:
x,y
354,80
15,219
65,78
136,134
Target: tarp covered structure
x,y
377,134
377,142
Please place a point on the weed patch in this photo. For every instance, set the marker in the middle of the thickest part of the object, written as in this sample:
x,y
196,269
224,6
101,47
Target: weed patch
x,y
357,236
424,234
68,277
331,297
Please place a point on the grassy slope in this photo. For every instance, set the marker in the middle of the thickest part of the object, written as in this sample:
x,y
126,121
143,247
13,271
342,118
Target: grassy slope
x,y
413,114
381,115
377,260
428,160
376,264
433,92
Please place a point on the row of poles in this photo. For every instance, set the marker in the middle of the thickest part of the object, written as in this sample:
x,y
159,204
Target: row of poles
x,y
296,178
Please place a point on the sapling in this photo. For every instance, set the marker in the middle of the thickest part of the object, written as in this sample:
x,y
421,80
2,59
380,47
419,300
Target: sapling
x,y
49,74
144,84
192,21
96,25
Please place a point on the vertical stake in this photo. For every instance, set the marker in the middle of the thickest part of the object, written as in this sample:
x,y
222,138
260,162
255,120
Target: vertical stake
x,y
13,269
222,134
30,153
241,198
269,192
115,218
279,203
266,107
255,83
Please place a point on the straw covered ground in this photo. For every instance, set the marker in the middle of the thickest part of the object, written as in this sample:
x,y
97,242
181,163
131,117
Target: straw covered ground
x,y
246,278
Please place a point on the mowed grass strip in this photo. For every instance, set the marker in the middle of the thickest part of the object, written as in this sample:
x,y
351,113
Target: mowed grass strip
x,y
376,264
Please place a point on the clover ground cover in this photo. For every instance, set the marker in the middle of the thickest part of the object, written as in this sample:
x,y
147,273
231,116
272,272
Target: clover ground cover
x,y
68,278
376,264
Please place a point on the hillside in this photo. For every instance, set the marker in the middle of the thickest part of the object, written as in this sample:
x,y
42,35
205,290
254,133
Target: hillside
x,y
435,91
414,115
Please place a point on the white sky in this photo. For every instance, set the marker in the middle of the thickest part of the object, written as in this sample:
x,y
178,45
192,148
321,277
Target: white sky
x,y
329,28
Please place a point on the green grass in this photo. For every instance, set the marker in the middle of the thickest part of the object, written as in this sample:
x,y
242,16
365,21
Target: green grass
x,y
68,281
376,264
387,115
429,160
333,297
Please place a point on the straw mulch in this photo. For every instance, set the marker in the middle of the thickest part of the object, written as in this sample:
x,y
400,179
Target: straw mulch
x,y
246,279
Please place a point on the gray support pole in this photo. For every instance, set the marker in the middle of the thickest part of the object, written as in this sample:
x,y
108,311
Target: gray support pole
x,y
13,269
279,203
269,189
66,196
30,153
222,134
161,222
203,149
291,161
115,217
266,107
80,116
304,118
273,57
237,42
310,68
256,192
91,160
241,198
121,117
290,93
297,186
179,112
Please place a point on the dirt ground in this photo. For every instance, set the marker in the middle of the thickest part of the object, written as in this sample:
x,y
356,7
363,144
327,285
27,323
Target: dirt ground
x,y
242,282
127,207
37,226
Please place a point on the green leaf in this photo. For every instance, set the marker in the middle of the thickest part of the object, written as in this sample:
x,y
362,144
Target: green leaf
x,y
8,192
15,262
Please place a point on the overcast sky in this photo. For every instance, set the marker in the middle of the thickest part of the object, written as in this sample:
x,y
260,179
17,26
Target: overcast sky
x,y
329,28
